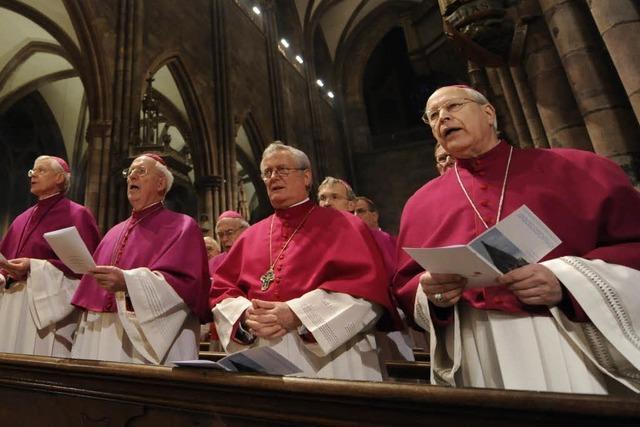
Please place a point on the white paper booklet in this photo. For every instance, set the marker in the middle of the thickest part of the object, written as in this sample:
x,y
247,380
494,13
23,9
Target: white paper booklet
x,y
519,239
2,258
264,360
71,249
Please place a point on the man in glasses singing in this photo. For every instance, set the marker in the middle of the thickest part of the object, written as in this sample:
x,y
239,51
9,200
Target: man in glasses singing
x,y
307,281
566,324
35,286
144,301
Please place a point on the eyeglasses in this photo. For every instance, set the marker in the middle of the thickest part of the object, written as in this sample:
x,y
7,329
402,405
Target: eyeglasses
x,y
432,115
281,172
226,233
37,171
138,170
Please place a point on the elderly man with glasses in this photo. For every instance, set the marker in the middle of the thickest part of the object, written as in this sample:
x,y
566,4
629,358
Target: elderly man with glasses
x,y
307,281
229,227
566,324
144,301
35,286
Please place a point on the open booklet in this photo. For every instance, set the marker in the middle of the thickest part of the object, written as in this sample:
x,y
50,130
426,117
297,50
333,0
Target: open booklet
x,y
264,360
519,239
71,249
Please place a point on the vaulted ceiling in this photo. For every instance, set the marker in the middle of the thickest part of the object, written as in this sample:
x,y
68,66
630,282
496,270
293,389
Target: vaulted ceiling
x,y
38,38
338,18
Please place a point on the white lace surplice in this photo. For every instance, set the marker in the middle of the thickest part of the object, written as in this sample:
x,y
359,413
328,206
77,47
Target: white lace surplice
x,y
340,323
161,328
36,315
483,348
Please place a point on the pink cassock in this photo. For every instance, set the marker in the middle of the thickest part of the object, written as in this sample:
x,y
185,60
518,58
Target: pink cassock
x,y
387,245
161,240
216,262
24,237
333,251
585,199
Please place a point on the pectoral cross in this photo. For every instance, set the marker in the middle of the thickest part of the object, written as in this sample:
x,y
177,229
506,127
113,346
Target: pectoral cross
x,y
266,279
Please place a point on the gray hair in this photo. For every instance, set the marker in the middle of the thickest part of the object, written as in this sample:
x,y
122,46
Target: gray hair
x,y
302,160
58,169
333,181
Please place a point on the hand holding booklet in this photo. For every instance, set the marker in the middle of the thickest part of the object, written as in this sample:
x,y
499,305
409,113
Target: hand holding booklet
x,y
264,360
519,239
71,249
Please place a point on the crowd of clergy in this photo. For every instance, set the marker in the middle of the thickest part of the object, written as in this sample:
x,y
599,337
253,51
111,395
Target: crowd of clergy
x,y
320,282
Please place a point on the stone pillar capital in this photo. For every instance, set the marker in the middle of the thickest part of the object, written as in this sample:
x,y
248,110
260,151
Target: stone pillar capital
x,y
99,128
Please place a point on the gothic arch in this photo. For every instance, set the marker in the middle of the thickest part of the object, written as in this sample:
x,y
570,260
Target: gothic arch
x,y
203,151
87,61
350,65
249,159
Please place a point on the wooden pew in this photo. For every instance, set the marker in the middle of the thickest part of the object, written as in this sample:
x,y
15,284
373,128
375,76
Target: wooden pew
x,y
38,391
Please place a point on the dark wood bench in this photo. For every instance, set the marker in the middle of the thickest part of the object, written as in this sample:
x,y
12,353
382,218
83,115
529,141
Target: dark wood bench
x,y
39,391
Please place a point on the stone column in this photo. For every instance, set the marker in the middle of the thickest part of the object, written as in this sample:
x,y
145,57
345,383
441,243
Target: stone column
x,y
128,79
619,24
98,166
208,188
549,86
275,71
536,130
224,132
611,124
505,123
479,80
515,108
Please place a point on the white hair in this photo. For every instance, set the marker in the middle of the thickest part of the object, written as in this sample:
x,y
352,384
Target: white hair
x,y
58,169
165,172
302,160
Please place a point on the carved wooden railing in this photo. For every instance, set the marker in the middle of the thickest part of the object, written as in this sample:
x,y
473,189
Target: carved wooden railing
x,y
40,391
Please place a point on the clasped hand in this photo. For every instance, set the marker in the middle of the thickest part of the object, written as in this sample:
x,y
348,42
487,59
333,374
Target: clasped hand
x,y
17,268
109,277
533,284
270,319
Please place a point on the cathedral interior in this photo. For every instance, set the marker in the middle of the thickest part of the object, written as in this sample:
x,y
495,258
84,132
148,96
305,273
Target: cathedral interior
x,y
208,84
